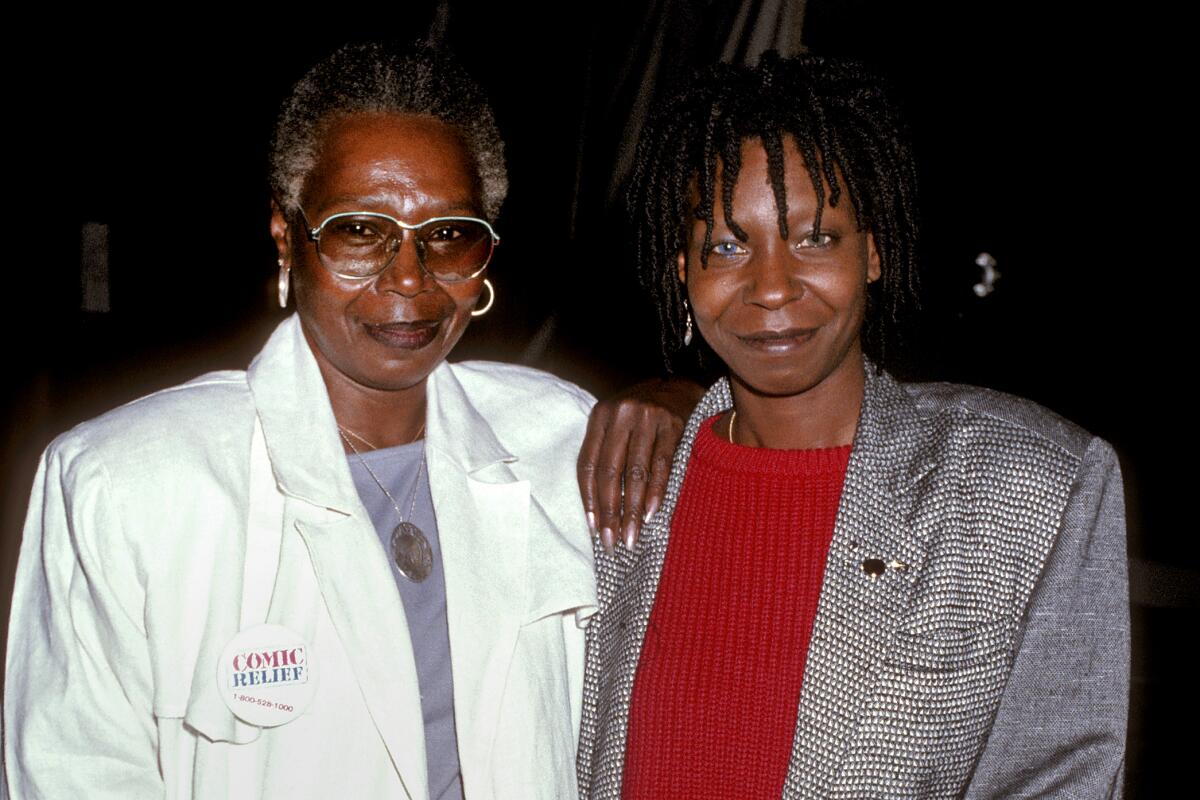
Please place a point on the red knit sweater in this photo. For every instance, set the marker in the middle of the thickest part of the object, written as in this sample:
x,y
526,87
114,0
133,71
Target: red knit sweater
x,y
717,688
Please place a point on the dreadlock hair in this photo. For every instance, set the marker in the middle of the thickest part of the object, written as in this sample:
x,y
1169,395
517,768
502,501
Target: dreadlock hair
x,y
849,135
378,78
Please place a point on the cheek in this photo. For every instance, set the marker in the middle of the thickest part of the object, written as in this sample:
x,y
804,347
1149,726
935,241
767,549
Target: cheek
x,y
309,289
318,296
841,287
461,301
711,297
838,293
459,319
465,296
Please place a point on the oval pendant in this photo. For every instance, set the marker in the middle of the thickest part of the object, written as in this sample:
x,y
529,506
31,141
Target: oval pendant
x,y
411,552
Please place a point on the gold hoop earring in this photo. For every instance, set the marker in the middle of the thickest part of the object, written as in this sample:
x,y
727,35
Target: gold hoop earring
x,y
285,274
687,323
479,312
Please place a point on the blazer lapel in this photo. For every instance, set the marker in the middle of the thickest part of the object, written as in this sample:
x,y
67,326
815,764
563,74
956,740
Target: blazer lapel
x,y
360,597
352,573
483,523
873,564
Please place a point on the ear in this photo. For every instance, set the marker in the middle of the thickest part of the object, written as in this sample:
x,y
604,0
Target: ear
x,y
681,267
279,232
874,270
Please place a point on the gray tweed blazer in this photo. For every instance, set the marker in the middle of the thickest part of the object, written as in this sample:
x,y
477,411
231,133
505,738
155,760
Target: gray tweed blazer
x,y
972,637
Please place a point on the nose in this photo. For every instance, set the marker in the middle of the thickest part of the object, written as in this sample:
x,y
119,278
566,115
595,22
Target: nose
x,y
405,274
773,278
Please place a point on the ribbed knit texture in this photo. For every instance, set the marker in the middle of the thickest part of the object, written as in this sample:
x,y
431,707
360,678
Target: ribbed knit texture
x,y
714,702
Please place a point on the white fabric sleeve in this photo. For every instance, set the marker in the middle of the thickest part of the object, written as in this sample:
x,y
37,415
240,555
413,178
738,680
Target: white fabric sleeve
x,y
78,709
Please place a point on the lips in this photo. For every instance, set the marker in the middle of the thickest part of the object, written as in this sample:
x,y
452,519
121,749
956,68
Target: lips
x,y
404,335
777,341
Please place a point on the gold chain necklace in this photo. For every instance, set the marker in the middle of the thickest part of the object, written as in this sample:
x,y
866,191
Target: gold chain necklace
x,y
410,547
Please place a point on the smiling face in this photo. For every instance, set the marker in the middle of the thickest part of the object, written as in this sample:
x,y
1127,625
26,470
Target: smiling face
x,y
387,332
784,315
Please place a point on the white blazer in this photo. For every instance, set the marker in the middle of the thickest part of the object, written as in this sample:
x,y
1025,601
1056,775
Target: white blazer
x,y
157,531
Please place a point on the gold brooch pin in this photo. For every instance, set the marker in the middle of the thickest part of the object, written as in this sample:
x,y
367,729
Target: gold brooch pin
x,y
874,567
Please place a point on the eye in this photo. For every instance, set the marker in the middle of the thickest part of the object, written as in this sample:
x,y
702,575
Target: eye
x,y
358,231
727,249
815,239
447,232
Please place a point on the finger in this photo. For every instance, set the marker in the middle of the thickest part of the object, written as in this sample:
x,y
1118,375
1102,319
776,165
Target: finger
x,y
665,442
608,540
609,476
636,472
585,467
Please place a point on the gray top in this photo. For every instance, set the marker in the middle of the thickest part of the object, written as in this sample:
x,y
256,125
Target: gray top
x,y
401,470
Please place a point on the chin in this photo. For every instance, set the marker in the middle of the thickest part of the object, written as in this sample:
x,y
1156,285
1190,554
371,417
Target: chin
x,y
775,386
789,379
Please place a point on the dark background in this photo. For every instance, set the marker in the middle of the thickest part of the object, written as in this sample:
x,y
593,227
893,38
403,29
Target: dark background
x,y
1050,138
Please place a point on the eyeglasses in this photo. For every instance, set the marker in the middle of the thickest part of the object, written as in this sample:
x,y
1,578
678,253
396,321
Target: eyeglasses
x,y
361,244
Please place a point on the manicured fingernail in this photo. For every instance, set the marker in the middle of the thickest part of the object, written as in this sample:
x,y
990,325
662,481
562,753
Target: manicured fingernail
x,y
650,509
606,539
630,536
591,518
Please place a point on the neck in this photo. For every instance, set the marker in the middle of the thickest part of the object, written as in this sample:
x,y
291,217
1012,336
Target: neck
x,y
825,415
382,418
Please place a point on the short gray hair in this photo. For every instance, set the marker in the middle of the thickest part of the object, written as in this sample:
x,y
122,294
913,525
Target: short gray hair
x,y
375,78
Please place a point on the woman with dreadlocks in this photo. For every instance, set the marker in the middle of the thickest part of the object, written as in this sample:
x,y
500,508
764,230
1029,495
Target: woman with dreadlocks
x,y
854,587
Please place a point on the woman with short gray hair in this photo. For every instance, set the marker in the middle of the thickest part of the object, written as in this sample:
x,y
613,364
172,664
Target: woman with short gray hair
x,y
353,569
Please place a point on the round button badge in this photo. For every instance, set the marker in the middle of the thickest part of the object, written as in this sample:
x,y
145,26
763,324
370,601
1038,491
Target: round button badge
x,y
267,675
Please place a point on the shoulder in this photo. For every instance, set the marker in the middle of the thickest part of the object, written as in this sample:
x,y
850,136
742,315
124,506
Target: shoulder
x,y
167,429
512,389
990,452
1003,419
533,415
1008,458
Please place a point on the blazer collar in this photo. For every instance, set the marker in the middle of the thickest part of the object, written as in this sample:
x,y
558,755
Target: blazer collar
x,y
301,433
889,456
888,443
891,432
456,428
887,440
298,425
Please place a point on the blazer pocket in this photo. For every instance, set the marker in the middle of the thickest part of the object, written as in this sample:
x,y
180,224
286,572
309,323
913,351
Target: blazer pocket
x,y
948,650
931,710
942,688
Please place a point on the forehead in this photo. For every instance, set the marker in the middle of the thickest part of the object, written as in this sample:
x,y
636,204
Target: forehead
x,y
394,157
754,178
754,196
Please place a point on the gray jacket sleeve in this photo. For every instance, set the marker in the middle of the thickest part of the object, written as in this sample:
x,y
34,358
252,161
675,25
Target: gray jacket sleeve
x,y
1060,728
